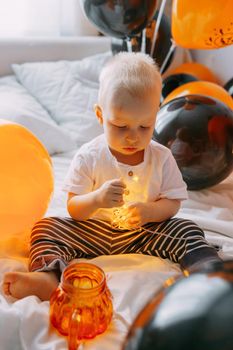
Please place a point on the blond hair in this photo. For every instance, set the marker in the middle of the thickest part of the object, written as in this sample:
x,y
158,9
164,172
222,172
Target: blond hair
x,y
128,74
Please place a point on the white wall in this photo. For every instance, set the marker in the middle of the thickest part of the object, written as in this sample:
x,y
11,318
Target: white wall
x,y
220,61
75,22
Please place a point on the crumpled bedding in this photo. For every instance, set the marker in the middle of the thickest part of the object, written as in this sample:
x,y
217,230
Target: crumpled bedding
x,y
132,279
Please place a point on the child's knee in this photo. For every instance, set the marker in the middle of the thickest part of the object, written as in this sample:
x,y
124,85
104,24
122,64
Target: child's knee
x,y
45,225
190,228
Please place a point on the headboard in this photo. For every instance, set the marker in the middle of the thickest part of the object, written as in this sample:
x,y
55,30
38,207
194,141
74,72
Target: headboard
x,y
44,49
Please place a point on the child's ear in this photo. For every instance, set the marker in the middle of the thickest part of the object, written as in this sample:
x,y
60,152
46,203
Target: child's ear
x,y
98,113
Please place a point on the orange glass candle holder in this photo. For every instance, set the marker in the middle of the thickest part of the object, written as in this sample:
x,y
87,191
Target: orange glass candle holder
x,y
81,306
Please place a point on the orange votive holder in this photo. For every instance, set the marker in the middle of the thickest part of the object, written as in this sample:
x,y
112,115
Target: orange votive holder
x,y
81,306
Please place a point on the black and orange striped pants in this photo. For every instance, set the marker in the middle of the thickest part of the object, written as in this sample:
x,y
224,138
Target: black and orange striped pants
x,y
56,241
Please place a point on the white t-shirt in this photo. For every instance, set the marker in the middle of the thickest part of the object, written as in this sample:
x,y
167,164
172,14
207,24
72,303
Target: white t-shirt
x,y
158,176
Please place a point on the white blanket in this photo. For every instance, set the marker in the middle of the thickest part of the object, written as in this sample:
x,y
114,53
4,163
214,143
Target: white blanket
x,y
132,279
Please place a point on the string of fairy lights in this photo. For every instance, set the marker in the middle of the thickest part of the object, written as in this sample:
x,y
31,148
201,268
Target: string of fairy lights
x,y
121,215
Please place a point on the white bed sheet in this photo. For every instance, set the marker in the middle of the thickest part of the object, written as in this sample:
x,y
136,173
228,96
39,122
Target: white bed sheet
x,y
132,279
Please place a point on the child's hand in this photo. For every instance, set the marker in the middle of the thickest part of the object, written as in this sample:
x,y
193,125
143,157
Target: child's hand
x,y
137,214
110,194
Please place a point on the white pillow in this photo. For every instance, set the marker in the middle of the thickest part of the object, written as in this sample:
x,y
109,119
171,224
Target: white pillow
x,y
89,68
72,90
77,97
43,80
75,110
17,105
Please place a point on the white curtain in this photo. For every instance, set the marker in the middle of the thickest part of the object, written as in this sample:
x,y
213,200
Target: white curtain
x,y
43,18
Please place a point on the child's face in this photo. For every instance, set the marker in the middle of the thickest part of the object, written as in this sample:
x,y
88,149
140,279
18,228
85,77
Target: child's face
x,y
128,128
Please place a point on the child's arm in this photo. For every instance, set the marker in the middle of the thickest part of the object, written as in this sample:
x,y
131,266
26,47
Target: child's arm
x,y
160,210
109,195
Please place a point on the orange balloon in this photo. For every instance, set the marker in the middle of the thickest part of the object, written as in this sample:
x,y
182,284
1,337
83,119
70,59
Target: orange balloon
x,y
198,70
26,179
201,88
202,24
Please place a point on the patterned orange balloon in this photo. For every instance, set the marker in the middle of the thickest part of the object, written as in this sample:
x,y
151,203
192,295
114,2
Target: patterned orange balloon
x,y
202,24
204,88
26,179
198,70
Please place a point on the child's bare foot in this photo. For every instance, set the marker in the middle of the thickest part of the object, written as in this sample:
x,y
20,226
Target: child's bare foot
x,y
23,284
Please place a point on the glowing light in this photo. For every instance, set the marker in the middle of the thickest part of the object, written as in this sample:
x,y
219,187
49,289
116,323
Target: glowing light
x,y
170,281
121,215
186,273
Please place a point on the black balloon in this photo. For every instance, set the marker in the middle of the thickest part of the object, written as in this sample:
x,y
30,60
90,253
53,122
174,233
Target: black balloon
x,y
162,44
120,19
163,41
174,81
118,45
199,132
192,313
229,87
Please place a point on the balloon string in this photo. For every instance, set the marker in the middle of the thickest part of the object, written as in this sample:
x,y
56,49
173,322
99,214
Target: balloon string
x,y
129,46
143,45
172,48
159,18
153,232
119,223
167,235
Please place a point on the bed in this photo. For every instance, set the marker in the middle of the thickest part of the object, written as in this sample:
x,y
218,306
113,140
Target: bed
x,y
132,279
